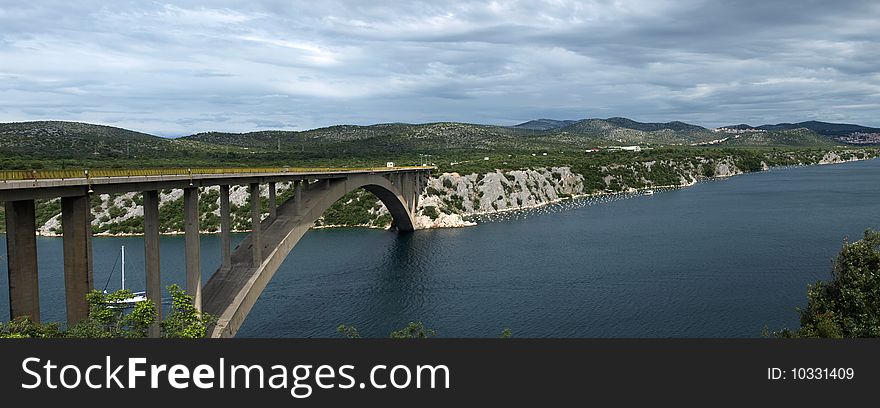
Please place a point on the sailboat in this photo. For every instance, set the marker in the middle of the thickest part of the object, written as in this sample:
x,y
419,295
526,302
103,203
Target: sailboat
x,y
135,296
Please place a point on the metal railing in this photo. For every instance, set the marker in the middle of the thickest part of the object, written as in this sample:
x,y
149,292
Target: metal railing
x,y
15,175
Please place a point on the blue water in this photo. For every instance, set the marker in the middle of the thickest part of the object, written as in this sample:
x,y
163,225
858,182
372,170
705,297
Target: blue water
x,y
720,259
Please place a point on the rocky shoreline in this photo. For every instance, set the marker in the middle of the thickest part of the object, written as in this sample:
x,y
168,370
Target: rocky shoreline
x,y
722,170
450,200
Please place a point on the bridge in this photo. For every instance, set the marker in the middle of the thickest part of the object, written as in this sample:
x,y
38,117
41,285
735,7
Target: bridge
x,y
245,271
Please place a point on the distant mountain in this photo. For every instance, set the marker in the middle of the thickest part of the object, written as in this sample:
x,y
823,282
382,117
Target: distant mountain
x,y
800,137
622,130
35,141
823,128
544,124
836,132
397,137
652,127
741,126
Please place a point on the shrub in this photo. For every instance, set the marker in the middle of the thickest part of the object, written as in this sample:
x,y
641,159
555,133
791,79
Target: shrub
x,y
184,321
108,321
431,212
849,304
348,332
413,331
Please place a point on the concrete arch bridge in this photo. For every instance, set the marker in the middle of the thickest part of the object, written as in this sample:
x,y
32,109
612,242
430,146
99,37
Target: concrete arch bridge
x,y
245,270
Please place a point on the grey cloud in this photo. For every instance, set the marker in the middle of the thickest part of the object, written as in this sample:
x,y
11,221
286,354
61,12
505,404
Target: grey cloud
x,y
190,66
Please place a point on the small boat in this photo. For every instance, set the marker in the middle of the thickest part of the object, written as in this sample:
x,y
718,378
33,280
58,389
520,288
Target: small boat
x,y
649,192
135,296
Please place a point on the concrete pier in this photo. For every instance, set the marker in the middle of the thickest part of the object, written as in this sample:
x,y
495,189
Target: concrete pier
x,y
256,218
21,255
297,197
151,254
273,204
225,225
192,245
419,183
76,222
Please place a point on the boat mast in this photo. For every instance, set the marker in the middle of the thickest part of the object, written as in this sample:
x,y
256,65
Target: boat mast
x,y
123,267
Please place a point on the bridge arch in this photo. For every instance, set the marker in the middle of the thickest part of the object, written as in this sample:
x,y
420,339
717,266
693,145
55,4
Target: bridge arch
x,y
231,293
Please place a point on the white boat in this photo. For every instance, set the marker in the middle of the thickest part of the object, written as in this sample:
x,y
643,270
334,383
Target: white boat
x,y
135,296
649,192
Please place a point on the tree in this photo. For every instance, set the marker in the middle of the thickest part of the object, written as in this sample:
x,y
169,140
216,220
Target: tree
x,y
348,332
108,320
184,321
24,327
413,331
849,304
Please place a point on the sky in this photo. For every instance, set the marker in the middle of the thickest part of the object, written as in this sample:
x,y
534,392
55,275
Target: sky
x,y
177,68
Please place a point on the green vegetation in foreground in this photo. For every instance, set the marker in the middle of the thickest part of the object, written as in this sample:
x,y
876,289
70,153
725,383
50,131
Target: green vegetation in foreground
x,y
413,330
105,321
849,304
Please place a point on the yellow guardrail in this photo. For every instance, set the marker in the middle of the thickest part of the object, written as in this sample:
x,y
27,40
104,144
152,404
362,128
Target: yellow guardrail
x,y
13,175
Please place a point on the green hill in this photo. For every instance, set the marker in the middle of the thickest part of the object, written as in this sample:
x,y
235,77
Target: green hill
x,y
396,137
544,124
626,131
801,137
61,144
651,127
34,144
73,139
822,128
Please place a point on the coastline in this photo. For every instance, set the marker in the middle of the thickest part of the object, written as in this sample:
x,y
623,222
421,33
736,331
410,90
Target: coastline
x,y
466,219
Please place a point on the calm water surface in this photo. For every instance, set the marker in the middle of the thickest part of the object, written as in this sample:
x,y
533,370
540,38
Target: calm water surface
x,y
720,259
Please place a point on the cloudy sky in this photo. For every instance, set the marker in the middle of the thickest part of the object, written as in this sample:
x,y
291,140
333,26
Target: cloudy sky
x,y
175,68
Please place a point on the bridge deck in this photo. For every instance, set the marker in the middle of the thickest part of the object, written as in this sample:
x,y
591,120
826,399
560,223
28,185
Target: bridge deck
x,y
26,184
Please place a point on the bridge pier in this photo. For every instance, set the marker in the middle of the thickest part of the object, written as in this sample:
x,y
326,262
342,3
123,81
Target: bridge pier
x,y
256,218
225,251
273,205
419,182
151,255
192,245
297,196
411,193
21,256
76,222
